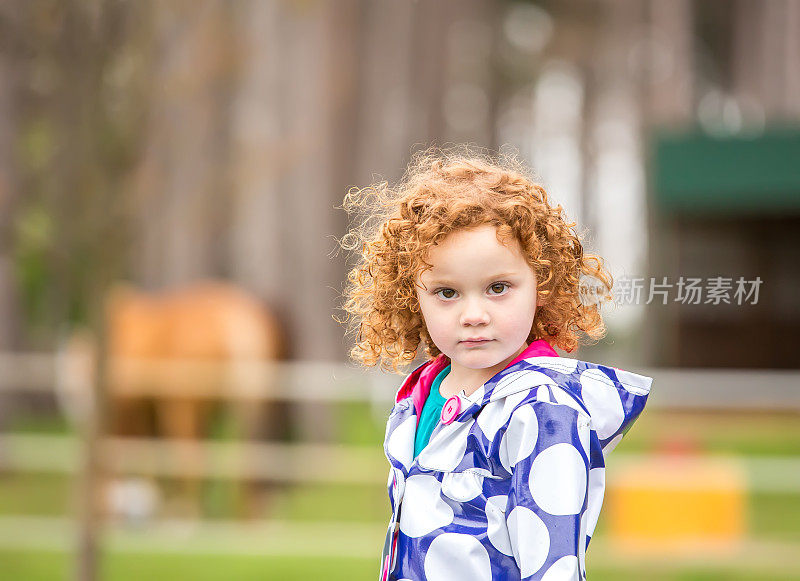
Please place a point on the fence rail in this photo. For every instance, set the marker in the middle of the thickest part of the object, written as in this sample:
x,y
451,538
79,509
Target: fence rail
x,y
295,463
284,462
331,381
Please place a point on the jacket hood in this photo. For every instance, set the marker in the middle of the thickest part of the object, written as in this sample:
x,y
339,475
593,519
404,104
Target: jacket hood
x,y
506,467
612,397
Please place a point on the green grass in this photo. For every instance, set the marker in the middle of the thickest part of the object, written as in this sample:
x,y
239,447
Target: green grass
x,y
750,434
27,423
686,575
354,425
333,502
775,516
35,494
51,565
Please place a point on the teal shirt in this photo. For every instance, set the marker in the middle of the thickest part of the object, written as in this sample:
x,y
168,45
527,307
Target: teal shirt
x,y
431,413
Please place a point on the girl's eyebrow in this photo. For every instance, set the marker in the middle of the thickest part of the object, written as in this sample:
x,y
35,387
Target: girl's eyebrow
x,y
444,281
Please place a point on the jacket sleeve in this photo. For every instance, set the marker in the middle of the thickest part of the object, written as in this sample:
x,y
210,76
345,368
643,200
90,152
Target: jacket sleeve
x,y
545,450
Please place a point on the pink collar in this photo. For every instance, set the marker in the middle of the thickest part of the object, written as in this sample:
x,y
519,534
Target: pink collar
x,y
418,384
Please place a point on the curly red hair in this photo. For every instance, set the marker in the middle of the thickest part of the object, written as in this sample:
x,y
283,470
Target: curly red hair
x,y
444,191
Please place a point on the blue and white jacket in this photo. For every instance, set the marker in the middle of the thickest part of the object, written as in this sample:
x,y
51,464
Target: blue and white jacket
x,y
512,488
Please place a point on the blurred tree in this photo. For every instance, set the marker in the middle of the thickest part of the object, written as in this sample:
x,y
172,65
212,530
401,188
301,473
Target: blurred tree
x,y
10,47
75,130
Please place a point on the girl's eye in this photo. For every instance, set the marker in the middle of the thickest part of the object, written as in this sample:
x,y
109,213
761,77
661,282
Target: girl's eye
x,y
446,293
498,288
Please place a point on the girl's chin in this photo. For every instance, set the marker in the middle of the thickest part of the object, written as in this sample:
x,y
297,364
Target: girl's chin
x,y
477,361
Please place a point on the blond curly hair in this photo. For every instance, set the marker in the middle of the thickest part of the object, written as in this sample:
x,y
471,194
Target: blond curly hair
x,y
443,191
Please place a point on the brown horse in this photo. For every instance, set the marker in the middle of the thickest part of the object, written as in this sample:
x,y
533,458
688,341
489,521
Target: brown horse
x,y
175,357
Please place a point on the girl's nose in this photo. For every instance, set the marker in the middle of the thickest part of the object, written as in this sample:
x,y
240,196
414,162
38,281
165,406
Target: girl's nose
x,y
474,313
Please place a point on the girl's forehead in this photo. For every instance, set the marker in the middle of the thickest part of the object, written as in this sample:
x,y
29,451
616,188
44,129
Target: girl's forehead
x,y
482,239
474,253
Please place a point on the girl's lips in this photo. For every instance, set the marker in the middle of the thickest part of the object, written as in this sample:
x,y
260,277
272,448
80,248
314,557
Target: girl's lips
x,y
478,342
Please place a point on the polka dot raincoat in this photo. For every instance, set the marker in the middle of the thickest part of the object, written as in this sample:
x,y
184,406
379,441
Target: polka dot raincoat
x,y
511,483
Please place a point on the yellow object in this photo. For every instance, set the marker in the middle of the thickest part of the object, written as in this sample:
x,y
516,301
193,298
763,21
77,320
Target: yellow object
x,y
677,502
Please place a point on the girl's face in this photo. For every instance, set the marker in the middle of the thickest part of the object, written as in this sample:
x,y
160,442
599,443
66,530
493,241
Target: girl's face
x,y
479,299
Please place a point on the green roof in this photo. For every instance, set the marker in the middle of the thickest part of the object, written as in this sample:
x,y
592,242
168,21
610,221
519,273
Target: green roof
x,y
699,173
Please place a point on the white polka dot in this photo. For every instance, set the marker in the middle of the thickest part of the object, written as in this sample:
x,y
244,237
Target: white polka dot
x,y
530,539
494,415
564,568
611,444
446,449
482,471
602,399
538,378
455,556
520,380
496,519
585,433
562,397
401,483
510,382
558,479
636,383
401,442
560,364
425,511
519,440
462,486
596,490
543,394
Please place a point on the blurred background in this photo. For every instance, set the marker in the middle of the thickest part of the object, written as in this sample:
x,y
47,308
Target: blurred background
x,y
175,395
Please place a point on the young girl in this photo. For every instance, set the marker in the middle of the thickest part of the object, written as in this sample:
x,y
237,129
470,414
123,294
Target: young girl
x,y
496,444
